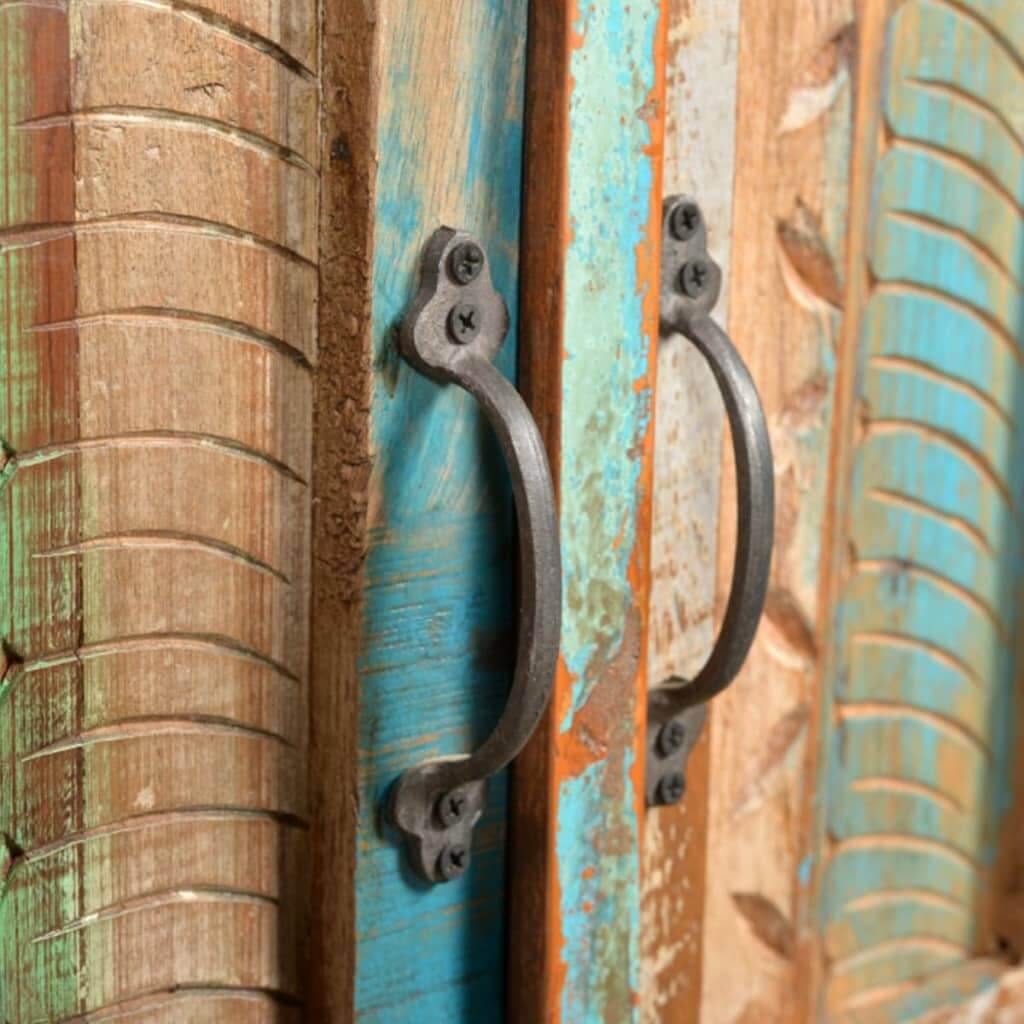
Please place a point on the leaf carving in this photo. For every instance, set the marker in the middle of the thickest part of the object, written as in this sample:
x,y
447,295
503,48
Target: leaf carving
x,y
807,266
821,81
768,923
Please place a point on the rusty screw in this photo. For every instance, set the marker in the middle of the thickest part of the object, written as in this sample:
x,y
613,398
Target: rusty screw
x,y
452,807
464,323
695,277
671,788
671,738
685,220
466,262
453,861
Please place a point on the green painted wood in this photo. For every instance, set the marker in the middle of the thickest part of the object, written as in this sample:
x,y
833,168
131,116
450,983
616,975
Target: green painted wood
x,y
438,627
921,750
39,604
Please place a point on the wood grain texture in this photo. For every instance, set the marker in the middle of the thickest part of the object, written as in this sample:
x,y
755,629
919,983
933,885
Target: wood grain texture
x,y
342,462
919,715
699,160
794,101
158,348
436,619
589,335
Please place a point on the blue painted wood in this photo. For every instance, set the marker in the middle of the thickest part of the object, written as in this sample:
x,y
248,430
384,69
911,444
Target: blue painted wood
x,y
609,332
921,758
438,635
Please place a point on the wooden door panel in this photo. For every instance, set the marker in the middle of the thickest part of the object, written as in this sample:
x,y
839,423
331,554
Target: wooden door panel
x,y
415,623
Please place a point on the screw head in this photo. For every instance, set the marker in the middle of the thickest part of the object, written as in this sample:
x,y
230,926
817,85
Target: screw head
x,y
464,322
695,277
685,220
671,738
452,807
453,861
671,788
465,262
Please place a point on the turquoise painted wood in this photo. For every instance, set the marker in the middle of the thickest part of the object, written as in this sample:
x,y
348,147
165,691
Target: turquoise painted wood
x,y
438,637
609,336
921,753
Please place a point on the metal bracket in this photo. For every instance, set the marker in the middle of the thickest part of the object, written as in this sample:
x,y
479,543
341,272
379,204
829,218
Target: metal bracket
x,y
451,333
690,285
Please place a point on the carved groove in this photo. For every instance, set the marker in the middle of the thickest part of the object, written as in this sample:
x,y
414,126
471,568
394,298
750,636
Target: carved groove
x,y
970,423
142,115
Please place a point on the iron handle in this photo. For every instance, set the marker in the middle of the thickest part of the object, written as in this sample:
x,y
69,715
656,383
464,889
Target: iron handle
x,y
690,286
451,333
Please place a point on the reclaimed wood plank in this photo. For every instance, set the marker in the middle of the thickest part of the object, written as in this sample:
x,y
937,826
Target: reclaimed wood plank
x,y
699,160
415,531
157,421
589,345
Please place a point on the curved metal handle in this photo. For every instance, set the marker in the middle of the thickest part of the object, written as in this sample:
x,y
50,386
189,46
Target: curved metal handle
x,y
690,285
451,333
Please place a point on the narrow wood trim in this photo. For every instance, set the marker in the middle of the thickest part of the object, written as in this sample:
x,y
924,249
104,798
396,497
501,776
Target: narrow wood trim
x,y
350,88
540,950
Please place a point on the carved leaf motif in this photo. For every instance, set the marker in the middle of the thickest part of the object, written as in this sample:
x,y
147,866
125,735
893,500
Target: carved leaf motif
x,y
767,921
807,265
821,81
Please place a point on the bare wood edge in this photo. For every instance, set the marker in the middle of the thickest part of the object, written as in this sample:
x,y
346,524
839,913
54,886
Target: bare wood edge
x,y
544,239
350,86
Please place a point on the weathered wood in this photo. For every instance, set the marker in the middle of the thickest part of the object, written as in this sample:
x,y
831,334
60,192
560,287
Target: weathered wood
x,y
592,227
158,337
415,532
918,710
792,135
342,462
699,149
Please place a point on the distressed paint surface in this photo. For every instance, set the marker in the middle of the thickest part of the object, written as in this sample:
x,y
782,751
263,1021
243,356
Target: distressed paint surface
x,y
438,623
921,688
157,345
609,334
700,145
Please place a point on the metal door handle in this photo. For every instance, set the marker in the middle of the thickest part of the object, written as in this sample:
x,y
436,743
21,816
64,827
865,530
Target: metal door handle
x,y
690,285
451,333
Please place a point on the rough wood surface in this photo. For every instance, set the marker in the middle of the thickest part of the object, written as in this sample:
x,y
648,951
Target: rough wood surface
x,y
437,141
792,133
918,717
700,137
341,473
158,339
592,228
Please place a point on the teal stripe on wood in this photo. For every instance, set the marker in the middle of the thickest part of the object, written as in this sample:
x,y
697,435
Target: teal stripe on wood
x,y
921,760
438,637
607,409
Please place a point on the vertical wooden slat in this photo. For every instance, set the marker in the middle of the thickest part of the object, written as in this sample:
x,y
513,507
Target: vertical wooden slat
x,y
158,379
591,239
415,530
699,150
342,463
794,99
